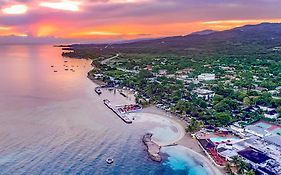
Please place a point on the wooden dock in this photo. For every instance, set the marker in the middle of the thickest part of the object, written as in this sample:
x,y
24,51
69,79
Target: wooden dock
x,y
121,116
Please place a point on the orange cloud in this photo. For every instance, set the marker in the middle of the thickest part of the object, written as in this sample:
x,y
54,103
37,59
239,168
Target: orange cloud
x,y
46,30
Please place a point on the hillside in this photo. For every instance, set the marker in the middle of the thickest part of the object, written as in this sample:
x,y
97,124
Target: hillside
x,y
247,40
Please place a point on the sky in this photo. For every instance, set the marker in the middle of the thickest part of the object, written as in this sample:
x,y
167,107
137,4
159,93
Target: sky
x,y
110,20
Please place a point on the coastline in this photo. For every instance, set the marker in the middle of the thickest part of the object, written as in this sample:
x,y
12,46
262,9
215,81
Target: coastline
x,y
187,141
184,140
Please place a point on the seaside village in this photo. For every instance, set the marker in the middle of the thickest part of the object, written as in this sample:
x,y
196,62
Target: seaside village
x,y
256,141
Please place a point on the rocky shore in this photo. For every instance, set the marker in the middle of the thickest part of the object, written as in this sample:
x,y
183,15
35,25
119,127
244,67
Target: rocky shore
x,y
152,148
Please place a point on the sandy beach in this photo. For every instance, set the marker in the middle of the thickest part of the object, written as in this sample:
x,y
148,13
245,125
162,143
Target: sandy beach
x,y
170,123
185,140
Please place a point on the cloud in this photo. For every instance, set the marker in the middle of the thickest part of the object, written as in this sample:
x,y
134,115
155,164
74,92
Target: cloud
x,y
62,5
131,18
15,9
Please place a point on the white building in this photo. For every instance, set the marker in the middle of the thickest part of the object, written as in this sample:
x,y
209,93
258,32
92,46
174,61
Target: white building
x,y
237,128
204,93
206,77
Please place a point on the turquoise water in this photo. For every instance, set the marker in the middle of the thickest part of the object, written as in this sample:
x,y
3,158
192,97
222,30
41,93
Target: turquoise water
x,y
180,161
222,139
52,123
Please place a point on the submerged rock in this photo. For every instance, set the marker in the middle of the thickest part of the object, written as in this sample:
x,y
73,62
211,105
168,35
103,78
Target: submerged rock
x,y
153,149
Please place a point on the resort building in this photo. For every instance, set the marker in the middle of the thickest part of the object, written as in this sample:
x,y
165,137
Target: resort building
x,y
206,77
204,93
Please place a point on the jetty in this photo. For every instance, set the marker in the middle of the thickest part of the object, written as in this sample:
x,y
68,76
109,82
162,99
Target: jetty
x,y
121,116
153,149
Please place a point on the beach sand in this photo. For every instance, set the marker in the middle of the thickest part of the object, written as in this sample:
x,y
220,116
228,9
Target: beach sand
x,y
186,140
153,114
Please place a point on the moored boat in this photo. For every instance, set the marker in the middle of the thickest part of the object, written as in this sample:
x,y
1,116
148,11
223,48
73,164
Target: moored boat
x,y
109,160
98,91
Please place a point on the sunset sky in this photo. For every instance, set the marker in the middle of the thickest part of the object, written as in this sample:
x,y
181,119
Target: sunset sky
x,y
101,20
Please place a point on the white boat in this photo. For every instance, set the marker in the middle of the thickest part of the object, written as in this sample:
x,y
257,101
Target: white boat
x,y
109,160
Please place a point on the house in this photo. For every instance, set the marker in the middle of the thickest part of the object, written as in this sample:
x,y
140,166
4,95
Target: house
x,y
272,114
162,72
148,67
206,77
204,93
184,71
265,108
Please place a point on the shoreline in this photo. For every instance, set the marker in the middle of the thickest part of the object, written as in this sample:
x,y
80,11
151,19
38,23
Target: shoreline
x,y
184,140
191,145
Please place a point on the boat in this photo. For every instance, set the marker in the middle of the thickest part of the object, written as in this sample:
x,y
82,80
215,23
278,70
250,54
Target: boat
x,y
55,71
98,90
124,95
109,160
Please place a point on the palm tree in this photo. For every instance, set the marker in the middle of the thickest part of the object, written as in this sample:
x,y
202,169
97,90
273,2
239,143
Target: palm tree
x,y
251,172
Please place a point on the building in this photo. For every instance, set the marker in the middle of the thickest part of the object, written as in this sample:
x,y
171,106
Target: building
x,y
253,155
237,127
162,72
206,77
204,93
274,139
257,130
272,114
148,67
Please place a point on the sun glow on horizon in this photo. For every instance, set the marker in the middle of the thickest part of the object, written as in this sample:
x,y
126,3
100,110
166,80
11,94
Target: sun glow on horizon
x,y
15,9
4,28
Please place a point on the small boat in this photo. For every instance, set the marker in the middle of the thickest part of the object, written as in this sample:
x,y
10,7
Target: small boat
x,y
52,66
124,95
55,71
109,160
98,91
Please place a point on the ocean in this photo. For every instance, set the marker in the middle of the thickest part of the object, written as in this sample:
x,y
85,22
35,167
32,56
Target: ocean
x,y
53,123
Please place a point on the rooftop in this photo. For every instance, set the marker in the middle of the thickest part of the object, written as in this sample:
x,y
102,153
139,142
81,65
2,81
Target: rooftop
x,y
273,139
253,155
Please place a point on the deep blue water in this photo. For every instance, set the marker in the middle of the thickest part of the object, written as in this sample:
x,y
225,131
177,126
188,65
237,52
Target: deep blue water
x,y
54,124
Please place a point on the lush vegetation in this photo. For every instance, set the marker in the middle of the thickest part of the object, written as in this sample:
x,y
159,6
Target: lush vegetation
x,y
247,65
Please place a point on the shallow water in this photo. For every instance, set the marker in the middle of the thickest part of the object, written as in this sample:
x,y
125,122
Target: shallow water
x,y
54,123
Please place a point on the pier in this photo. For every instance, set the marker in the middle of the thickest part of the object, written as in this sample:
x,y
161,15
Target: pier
x,y
121,116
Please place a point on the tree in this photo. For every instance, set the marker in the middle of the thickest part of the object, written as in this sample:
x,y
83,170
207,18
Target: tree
x,y
241,165
278,109
246,101
194,126
228,168
217,99
251,172
224,118
145,74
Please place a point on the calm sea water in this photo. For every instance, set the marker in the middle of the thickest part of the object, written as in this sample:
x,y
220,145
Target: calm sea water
x,y
54,123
